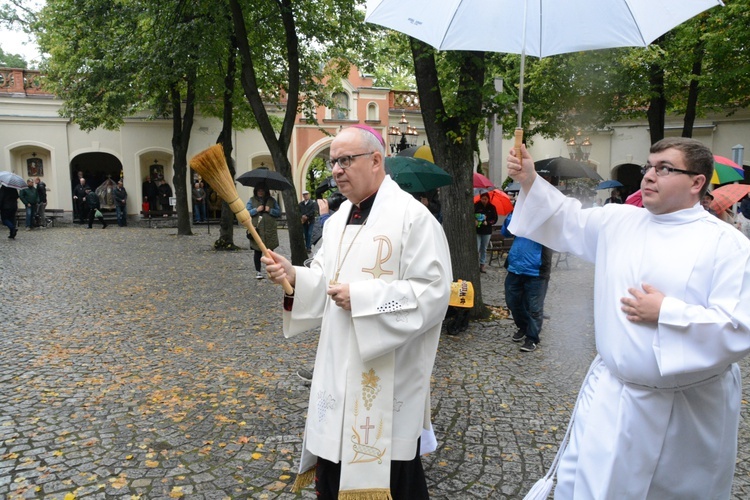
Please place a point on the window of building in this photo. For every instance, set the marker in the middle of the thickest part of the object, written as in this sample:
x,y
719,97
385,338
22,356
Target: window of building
x,y
372,112
340,109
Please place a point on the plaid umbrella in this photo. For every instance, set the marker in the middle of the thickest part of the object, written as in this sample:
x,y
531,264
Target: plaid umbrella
x,y
726,196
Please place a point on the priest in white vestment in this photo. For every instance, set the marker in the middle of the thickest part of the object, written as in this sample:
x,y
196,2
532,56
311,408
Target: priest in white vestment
x,y
378,288
658,412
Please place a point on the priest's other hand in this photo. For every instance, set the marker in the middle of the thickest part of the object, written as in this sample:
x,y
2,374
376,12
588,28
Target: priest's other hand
x,y
278,268
645,305
523,173
340,295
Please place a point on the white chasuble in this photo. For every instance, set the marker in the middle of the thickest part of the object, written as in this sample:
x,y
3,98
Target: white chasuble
x,y
369,398
658,413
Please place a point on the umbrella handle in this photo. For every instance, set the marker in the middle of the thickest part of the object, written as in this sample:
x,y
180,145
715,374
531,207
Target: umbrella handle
x,y
518,134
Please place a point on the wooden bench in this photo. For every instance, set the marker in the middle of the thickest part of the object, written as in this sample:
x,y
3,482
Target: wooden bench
x,y
50,216
154,218
499,246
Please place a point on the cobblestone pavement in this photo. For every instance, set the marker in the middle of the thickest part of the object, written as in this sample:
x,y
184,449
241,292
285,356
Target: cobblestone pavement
x,y
139,364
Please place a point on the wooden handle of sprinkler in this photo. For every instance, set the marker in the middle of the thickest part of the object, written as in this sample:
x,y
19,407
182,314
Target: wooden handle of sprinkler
x,y
243,217
518,134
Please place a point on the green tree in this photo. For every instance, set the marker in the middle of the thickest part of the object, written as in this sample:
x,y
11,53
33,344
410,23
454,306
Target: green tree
x,y
110,60
8,60
285,57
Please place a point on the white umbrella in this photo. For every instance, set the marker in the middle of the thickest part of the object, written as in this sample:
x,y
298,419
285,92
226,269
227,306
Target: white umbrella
x,y
536,27
9,179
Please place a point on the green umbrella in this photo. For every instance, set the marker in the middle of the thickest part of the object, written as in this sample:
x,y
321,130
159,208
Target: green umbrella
x,y
416,175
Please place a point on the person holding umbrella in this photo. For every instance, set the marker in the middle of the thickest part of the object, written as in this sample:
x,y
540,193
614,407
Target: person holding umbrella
x,y
658,412
8,208
486,217
264,210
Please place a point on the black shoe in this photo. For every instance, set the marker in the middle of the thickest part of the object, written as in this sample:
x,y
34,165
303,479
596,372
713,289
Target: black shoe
x,y
518,336
104,226
305,375
528,346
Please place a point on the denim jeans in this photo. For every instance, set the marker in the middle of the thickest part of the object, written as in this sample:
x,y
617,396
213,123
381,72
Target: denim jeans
x,y
482,241
121,215
307,229
30,211
199,212
8,217
524,296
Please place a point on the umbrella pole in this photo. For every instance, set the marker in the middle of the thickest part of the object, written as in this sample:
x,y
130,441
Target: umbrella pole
x,y
518,134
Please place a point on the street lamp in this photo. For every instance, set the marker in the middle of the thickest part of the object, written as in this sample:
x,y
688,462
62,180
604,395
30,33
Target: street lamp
x,y
579,150
402,136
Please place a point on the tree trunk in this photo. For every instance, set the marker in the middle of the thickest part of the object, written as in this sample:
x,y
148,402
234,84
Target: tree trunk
x,y
657,108
182,125
451,145
694,90
226,226
277,146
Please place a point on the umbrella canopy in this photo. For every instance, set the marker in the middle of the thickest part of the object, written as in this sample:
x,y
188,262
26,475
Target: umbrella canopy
x,y
635,199
11,180
609,184
423,152
725,170
481,181
538,28
565,168
513,187
726,196
416,175
262,175
500,200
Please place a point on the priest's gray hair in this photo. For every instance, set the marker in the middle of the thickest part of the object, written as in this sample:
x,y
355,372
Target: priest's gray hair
x,y
370,141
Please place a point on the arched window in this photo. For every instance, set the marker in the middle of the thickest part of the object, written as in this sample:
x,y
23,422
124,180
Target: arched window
x,y
372,112
340,109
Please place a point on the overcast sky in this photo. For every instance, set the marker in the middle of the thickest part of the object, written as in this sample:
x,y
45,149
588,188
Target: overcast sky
x,y
13,43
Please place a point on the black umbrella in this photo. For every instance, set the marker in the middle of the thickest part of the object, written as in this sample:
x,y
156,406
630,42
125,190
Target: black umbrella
x,y
565,168
271,178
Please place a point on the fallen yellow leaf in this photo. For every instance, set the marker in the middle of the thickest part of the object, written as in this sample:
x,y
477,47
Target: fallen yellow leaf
x,y
152,463
257,455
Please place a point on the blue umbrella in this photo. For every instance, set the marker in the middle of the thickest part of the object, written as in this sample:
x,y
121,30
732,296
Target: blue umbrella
x,y
609,184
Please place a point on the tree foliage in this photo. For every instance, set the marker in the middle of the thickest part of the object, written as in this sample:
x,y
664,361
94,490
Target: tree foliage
x,y
8,60
293,54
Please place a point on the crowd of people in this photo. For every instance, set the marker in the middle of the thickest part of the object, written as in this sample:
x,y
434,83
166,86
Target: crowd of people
x,y
669,276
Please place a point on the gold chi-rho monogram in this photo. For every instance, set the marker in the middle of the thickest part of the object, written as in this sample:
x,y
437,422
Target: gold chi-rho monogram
x,y
377,270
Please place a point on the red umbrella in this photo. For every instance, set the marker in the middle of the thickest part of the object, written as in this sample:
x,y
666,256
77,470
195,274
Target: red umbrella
x,y
635,199
500,200
726,196
480,181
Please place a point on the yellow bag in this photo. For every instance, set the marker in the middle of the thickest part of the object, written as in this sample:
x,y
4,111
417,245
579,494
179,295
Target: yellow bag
x,y
462,294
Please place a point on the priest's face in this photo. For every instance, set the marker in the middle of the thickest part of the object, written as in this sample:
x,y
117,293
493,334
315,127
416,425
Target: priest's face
x,y
672,191
362,171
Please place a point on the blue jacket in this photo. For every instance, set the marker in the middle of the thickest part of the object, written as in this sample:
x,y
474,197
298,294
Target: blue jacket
x,y
527,257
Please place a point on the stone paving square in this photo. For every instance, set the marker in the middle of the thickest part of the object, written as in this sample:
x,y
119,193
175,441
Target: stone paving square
x,y
137,364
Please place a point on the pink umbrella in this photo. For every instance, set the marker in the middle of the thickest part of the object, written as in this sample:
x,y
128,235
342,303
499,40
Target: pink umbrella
x,y
480,181
635,199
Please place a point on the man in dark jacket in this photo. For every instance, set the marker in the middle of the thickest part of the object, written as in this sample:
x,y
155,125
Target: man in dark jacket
x,y
41,191
29,198
79,199
8,207
165,193
93,204
121,201
529,265
307,209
